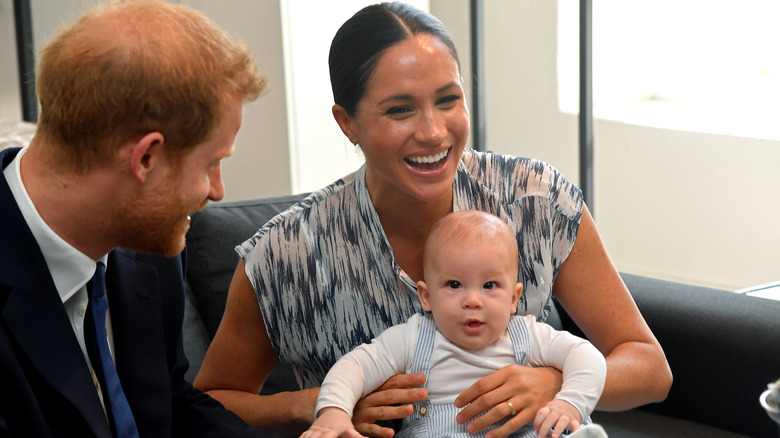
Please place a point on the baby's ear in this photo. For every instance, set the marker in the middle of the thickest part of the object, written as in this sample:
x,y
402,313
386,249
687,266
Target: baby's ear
x,y
425,296
516,296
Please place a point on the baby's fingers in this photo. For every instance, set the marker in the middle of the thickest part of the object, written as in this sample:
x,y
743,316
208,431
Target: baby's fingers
x,y
352,433
549,423
541,415
564,422
319,432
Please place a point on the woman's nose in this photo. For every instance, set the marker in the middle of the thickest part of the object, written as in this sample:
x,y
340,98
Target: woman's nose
x,y
432,128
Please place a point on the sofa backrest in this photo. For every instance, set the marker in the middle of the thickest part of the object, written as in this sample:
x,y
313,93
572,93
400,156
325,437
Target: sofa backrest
x,y
211,259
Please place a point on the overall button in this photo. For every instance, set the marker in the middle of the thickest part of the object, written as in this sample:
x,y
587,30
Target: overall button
x,y
423,410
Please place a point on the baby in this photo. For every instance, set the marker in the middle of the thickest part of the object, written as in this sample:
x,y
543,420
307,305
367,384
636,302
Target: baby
x,y
470,292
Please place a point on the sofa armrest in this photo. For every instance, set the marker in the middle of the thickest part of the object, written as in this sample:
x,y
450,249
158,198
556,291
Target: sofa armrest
x,y
723,348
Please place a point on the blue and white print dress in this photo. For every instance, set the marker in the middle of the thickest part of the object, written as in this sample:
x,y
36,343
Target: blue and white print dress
x,y
326,279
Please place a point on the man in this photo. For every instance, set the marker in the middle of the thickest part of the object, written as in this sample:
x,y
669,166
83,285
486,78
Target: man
x,y
140,100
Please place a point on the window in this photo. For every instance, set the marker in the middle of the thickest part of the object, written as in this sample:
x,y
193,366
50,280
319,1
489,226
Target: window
x,y
694,65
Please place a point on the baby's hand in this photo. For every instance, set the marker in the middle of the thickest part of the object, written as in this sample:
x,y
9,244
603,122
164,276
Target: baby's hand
x,y
332,423
557,416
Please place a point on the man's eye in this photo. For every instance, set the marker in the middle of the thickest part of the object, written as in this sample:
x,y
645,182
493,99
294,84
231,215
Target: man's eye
x,y
454,284
489,285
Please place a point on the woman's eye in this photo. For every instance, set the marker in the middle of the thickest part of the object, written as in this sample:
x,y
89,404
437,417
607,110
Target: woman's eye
x,y
489,285
448,99
454,284
397,110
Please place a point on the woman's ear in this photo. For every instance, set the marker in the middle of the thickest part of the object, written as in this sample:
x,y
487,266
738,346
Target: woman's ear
x,y
345,123
145,154
425,296
516,296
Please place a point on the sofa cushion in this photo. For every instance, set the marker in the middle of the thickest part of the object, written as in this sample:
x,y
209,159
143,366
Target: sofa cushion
x,y
638,423
214,232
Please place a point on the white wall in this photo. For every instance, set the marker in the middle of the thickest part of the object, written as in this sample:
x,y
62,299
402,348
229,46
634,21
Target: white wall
x,y
261,164
10,105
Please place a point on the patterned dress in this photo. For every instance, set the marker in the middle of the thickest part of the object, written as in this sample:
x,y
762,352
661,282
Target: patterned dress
x,y
326,279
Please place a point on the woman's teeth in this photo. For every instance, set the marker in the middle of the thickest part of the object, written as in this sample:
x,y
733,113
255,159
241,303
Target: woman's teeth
x,y
430,158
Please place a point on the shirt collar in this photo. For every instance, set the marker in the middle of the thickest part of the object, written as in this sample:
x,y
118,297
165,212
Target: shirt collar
x,y
70,268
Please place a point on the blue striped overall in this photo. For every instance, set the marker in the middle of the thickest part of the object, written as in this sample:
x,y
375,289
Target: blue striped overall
x,y
429,420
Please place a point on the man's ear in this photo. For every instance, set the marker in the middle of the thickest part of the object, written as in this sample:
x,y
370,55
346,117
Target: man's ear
x,y
345,123
146,153
425,296
516,296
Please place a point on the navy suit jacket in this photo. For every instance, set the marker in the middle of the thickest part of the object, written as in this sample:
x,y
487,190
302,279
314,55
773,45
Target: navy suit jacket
x,y
46,389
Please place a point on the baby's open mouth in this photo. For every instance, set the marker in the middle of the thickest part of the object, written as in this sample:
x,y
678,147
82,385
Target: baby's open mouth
x,y
428,162
473,323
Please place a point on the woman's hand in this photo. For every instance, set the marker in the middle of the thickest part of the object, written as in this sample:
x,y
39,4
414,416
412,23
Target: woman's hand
x,y
515,391
390,401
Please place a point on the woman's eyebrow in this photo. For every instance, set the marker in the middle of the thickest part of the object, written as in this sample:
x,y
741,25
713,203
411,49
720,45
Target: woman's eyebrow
x,y
407,97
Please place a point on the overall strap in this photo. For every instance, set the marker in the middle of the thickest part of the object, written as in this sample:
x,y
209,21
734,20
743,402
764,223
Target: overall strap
x,y
421,363
518,333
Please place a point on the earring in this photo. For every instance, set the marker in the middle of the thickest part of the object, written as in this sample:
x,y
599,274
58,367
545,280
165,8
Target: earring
x,y
354,142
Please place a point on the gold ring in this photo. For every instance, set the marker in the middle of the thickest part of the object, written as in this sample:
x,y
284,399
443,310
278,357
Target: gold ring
x,y
511,407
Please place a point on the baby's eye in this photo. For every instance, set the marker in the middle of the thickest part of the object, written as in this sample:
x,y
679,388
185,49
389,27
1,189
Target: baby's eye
x,y
489,285
454,284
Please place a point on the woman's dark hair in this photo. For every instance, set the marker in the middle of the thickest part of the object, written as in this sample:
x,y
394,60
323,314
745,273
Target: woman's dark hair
x,y
360,41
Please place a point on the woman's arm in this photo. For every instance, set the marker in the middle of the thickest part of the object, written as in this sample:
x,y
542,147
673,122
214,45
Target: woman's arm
x,y
241,357
593,294
239,360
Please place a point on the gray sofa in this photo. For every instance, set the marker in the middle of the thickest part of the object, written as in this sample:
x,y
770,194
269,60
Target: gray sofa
x,y
723,347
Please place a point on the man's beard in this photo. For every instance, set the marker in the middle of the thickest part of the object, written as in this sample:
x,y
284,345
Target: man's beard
x,y
155,224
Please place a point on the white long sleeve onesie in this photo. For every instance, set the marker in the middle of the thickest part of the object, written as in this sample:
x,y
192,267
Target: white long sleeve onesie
x,y
454,369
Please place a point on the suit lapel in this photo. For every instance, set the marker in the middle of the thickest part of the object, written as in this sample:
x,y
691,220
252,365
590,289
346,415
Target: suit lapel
x,y
35,316
136,318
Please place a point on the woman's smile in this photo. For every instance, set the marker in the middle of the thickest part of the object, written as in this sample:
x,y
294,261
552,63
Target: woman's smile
x,y
428,162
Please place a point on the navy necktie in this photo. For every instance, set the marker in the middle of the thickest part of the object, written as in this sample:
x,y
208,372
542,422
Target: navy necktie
x,y
116,403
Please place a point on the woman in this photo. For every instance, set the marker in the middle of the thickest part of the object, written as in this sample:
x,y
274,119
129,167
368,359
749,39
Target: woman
x,y
340,267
